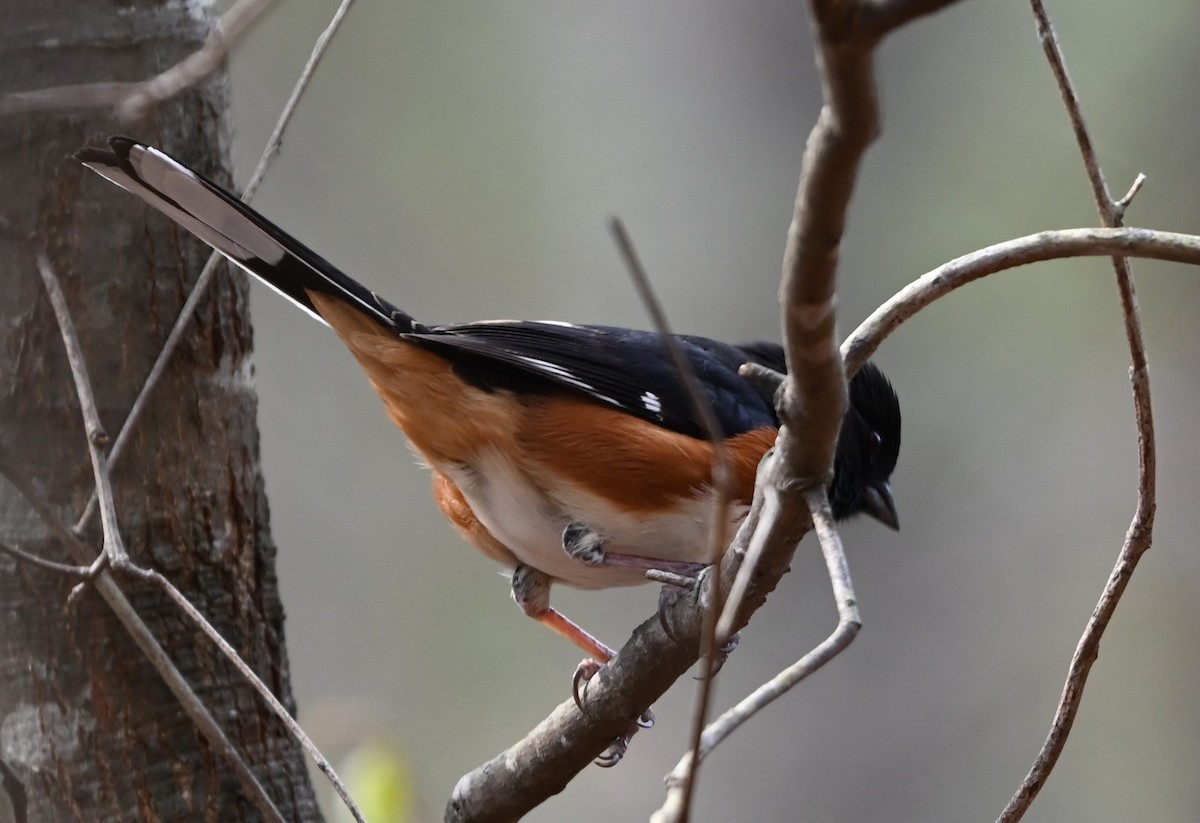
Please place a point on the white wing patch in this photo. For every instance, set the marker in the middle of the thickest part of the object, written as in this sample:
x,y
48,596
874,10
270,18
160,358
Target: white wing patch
x,y
651,402
556,370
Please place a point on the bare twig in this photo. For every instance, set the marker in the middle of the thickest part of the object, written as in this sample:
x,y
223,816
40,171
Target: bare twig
x,y
541,764
61,98
721,485
1120,206
813,399
1033,248
97,439
1140,534
274,142
120,559
132,100
259,686
768,378
198,65
144,638
675,807
22,556
156,371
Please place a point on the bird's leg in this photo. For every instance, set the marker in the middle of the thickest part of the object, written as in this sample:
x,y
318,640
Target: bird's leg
x,y
531,591
585,544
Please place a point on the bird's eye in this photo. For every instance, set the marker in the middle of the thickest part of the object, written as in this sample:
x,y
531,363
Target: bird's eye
x,y
876,441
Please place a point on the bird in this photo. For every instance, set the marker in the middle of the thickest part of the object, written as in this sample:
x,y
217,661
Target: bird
x,y
567,453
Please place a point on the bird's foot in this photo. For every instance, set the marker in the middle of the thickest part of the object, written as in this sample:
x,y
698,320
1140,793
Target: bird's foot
x,y
584,672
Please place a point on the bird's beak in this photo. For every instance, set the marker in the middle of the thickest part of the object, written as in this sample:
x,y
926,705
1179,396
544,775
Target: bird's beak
x,y
880,505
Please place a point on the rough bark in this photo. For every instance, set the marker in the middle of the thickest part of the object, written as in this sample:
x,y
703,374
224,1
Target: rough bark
x,y
86,726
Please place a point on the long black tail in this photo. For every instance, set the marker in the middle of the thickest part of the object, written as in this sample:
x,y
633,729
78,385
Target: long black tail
x,y
234,229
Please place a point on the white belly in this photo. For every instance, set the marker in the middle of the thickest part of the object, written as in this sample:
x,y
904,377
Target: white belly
x,y
530,520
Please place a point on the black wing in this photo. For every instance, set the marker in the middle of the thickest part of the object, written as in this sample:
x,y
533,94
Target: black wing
x,y
624,368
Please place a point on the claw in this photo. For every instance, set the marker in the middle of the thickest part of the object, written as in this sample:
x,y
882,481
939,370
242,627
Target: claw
x,y
613,754
585,671
616,750
665,598
722,654
645,720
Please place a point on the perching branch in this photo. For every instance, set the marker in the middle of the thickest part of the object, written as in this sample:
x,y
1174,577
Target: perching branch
x,y
540,765
813,399
675,807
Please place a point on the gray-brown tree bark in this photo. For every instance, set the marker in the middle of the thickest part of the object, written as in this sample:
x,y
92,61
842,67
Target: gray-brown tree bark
x,y
86,725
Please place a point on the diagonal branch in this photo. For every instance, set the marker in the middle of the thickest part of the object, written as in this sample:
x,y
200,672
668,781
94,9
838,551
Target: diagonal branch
x,y
141,635
544,761
675,807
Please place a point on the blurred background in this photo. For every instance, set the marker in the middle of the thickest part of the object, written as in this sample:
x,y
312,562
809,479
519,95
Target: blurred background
x,y
461,159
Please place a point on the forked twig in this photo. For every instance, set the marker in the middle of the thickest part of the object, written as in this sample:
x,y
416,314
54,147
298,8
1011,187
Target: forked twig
x,y
191,70
540,764
121,562
157,370
1140,534
97,439
107,587
675,807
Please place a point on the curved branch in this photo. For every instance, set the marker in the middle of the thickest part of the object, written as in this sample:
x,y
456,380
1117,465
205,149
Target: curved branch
x,y
1141,529
1033,248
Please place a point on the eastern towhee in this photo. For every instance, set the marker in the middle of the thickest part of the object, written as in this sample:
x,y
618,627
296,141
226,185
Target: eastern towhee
x,y
564,452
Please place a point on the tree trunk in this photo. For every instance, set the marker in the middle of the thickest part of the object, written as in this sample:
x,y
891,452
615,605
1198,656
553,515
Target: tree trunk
x,y
87,728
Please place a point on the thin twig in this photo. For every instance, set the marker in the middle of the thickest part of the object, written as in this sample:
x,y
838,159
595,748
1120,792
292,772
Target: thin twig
x,y
813,399
721,484
64,98
1033,248
674,808
114,546
766,377
1140,534
259,686
274,142
104,583
22,556
191,70
132,100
